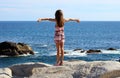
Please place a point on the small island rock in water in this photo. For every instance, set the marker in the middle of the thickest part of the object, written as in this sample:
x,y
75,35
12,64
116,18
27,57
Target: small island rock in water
x,y
14,49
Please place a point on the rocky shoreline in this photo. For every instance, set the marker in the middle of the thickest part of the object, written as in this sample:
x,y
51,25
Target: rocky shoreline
x,y
70,69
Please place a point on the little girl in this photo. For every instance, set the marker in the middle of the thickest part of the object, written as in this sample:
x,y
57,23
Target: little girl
x,y
59,37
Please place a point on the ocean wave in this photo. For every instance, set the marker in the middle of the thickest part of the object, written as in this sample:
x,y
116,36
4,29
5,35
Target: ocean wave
x,y
36,52
3,56
40,45
71,53
110,51
78,53
15,56
25,55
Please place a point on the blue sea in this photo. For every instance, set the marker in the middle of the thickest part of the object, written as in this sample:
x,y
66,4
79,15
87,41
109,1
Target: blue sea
x,y
84,35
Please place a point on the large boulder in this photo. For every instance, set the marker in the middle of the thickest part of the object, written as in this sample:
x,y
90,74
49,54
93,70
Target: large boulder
x,y
40,70
70,69
14,49
25,70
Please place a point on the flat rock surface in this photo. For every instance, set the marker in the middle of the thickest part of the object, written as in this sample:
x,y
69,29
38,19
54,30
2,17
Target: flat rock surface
x,y
70,69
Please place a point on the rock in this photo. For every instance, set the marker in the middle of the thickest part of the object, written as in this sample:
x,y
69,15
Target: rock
x,y
25,70
52,72
5,73
70,69
14,49
111,49
112,74
65,52
80,50
94,69
77,49
93,51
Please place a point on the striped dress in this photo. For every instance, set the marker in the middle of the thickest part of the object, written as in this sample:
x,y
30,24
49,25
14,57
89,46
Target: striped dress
x,y
59,34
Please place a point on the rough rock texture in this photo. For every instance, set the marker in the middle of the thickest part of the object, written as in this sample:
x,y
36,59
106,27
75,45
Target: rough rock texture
x,y
70,69
93,51
25,69
5,73
14,49
52,72
94,69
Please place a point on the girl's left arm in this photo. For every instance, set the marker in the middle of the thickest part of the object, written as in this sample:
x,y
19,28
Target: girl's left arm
x,y
46,19
71,19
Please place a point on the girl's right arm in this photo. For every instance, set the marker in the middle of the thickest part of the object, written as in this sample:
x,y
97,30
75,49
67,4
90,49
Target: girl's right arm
x,y
46,19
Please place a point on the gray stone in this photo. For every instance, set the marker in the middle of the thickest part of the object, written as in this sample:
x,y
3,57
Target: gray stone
x,y
94,69
5,73
52,72
25,70
70,69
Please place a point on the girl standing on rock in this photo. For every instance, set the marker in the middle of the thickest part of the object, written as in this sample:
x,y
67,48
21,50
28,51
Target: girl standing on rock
x,y
59,37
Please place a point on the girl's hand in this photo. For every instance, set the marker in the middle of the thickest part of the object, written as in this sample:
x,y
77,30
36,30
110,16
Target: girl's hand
x,y
78,20
39,20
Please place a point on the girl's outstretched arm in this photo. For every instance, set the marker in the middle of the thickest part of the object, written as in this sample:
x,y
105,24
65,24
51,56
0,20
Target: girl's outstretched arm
x,y
71,19
46,19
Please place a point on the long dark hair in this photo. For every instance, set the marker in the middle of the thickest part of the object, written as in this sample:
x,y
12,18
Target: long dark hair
x,y
59,18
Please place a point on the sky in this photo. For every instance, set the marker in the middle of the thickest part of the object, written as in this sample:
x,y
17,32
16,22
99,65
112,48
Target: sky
x,y
85,10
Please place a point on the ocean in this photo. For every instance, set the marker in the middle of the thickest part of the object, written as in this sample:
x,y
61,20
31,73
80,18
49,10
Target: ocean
x,y
84,35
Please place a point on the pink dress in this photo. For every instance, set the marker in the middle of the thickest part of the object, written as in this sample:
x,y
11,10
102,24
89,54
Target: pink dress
x,y
59,34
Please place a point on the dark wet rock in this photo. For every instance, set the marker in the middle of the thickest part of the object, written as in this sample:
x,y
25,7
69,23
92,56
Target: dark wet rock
x,y
94,51
77,49
82,51
111,49
14,49
65,52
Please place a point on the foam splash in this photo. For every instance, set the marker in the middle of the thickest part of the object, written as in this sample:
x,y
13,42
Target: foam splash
x,y
75,53
71,53
110,51
4,56
16,56
36,52
25,55
45,45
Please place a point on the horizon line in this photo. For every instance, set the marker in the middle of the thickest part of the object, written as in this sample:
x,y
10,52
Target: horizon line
x,y
47,21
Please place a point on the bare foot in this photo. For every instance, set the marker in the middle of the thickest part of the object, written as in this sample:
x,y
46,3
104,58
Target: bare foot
x,y
61,63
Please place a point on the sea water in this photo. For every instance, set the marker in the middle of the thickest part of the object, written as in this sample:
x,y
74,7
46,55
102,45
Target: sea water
x,y
84,35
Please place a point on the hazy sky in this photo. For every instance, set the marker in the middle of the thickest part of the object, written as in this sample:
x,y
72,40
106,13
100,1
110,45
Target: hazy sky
x,y
85,10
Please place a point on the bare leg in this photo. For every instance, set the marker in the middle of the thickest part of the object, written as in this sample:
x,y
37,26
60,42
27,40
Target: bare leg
x,y
62,52
58,53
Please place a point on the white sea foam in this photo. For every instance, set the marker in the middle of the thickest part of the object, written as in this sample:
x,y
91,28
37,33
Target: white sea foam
x,y
111,51
16,56
75,53
36,52
71,53
3,56
25,54
45,45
